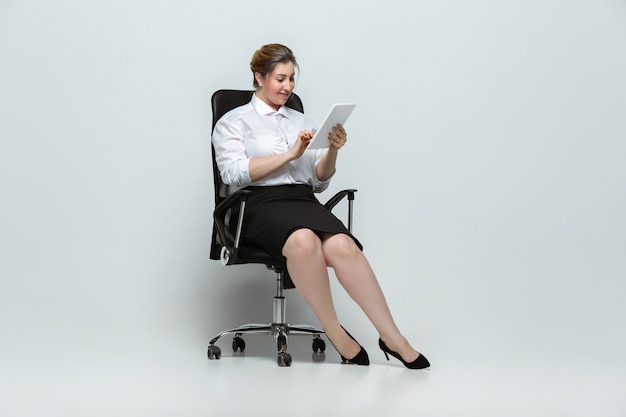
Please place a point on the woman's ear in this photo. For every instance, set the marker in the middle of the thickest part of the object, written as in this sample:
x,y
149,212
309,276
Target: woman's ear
x,y
259,78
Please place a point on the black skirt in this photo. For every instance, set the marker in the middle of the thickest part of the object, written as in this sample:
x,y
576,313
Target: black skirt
x,y
274,212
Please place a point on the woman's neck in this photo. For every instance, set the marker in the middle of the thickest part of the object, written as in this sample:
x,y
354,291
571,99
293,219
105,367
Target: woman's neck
x,y
264,100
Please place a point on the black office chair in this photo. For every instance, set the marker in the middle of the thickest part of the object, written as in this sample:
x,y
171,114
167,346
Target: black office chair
x,y
226,247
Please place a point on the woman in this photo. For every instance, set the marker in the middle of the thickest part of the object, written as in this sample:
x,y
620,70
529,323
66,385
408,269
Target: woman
x,y
262,146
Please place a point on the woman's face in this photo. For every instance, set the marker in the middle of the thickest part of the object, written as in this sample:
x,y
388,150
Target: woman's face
x,y
277,86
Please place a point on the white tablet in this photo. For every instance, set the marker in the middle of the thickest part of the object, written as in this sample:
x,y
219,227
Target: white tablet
x,y
338,114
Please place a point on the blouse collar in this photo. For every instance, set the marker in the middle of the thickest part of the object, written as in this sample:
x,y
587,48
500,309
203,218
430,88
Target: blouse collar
x,y
264,109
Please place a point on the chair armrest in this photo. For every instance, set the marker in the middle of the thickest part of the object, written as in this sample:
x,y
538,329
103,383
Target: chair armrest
x,y
334,200
242,195
219,215
229,202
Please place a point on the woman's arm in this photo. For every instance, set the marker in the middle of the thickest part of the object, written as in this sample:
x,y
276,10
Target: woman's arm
x,y
261,167
326,166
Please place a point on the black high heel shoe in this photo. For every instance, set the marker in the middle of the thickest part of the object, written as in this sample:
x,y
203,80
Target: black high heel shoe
x,y
420,363
361,358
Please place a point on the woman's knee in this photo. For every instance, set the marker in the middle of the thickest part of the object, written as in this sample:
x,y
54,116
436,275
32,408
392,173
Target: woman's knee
x,y
340,246
302,242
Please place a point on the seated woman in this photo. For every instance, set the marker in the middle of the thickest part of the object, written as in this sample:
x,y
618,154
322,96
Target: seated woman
x,y
262,146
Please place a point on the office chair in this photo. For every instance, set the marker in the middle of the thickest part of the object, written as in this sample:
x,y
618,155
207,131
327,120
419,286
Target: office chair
x,y
226,247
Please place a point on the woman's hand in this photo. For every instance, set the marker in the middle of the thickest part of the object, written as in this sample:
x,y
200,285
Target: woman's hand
x,y
326,166
262,166
298,148
338,137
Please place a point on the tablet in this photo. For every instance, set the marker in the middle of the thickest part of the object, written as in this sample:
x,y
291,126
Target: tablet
x,y
338,114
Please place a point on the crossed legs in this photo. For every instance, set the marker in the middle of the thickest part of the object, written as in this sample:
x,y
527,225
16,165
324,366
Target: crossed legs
x,y
308,258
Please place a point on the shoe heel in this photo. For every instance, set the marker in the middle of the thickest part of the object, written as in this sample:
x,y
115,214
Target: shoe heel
x,y
360,359
420,363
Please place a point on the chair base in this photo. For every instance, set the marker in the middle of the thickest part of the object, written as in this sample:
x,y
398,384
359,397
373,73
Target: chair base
x,y
278,328
280,331
274,329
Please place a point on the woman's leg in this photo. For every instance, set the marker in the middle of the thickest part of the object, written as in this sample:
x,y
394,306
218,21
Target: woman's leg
x,y
357,277
309,272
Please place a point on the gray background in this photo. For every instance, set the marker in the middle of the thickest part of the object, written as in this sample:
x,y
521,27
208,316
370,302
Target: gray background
x,y
487,147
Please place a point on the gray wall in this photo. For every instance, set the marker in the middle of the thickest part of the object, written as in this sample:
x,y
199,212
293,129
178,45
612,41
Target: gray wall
x,y
487,147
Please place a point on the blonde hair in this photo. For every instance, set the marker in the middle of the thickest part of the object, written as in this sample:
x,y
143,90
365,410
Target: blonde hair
x,y
267,57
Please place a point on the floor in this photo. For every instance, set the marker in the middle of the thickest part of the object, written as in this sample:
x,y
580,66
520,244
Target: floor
x,y
179,380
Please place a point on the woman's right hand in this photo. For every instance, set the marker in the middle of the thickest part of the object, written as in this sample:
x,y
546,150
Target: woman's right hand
x,y
262,166
298,148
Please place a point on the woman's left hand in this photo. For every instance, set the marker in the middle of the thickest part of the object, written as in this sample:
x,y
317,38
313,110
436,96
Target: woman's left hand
x,y
338,137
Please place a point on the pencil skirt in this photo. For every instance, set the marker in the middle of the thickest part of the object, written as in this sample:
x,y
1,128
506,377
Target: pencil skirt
x,y
274,212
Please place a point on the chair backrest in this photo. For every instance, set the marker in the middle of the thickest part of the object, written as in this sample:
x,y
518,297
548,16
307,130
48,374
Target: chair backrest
x,y
222,102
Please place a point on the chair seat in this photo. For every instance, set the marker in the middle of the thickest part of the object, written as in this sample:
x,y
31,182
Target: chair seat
x,y
252,255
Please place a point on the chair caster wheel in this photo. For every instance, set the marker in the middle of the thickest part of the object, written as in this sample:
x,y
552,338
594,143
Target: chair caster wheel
x,y
238,344
281,343
319,345
214,352
284,359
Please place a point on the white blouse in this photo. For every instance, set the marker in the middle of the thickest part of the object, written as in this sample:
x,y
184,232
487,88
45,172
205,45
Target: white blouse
x,y
255,130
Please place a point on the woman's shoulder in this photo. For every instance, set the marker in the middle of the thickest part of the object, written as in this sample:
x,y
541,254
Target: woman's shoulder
x,y
233,120
237,112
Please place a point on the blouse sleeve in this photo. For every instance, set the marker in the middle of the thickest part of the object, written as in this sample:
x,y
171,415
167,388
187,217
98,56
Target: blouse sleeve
x,y
230,152
318,185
